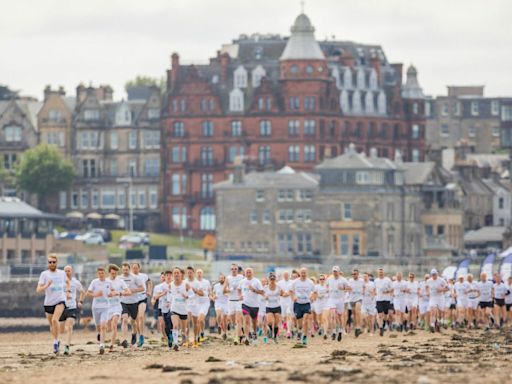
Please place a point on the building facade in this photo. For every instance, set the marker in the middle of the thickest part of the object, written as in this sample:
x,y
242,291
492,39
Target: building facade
x,y
277,101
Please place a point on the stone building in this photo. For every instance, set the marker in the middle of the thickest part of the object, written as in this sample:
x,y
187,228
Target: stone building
x,y
115,149
464,115
278,101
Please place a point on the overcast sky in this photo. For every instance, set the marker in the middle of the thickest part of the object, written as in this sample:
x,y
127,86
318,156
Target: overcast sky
x,y
61,42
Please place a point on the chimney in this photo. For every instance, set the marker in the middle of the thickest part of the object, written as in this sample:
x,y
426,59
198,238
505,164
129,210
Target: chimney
x,y
81,93
62,91
175,65
347,59
238,176
398,67
47,92
224,62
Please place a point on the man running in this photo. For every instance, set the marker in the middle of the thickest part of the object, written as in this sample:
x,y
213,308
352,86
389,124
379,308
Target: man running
x,y
56,287
369,306
203,302
486,290
412,300
423,302
193,306
250,289
356,297
436,288
118,289
178,296
220,300
336,287
100,290
143,300
73,305
384,289
461,297
231,288
500,310
473,294
130,304
400,290
286,303
160,296
302,290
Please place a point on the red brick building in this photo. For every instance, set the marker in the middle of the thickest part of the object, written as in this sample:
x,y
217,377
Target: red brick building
x,y
279,101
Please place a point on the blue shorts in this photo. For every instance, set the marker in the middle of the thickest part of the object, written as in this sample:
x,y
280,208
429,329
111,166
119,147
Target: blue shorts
x,y
301,309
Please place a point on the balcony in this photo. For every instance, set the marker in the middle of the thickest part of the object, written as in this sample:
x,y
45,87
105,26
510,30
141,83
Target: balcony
x,y
200,165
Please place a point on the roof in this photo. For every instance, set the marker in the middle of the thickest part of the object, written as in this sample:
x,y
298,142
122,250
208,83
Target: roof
x,y
418,173
302,43
412,88
353,160
493,161
14,207
485,235
270,180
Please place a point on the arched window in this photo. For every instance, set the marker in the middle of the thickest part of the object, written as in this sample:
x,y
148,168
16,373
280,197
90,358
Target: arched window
x,y
356,102
347,78
207,219
257,74
381,103
240,77
236,100
123,114
336,74
373,80
360,79
344,104
368,102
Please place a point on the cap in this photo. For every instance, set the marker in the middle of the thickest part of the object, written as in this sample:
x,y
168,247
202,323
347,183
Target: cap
x,y
335,268
433,271
271,275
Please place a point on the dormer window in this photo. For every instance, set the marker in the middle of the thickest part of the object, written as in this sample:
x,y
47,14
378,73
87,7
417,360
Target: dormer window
x,y
153,113
373,80
381,103
12,134
369,105
236,100
356,102
475,108
257,74
495,108
123,115
54,115
347,78
91,114
360,79
240,77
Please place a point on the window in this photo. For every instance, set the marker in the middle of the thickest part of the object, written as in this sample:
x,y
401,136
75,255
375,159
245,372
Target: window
x,y
207,219
445,109
236,128
290,194
307,215
90,140
54,115
266,217
415,131
428,110
293,153
257,74
179,217
178,184
114,170
207,155
496,131
506,113
179,155
289,215
132,140
153,197
362,177
471,131
236,100
415,108
91,114
429,230
132,167
306,194
293,127
495,107
355,245
9,161
415,155
108,198
55,138
264,154
142,198
294,69
152,167
344,245
114,142
281,218
183,105
254,217
294,102
360,78
153,113
240,77
95,198
309,153
63,197
309,103
475,108
260,195
121,198
178,129
74,199
265,128
89,168
309,127
151,139
309,69
458,108
234,152
501,203
84,199
304,243
207,128
445,130
347,211
206,185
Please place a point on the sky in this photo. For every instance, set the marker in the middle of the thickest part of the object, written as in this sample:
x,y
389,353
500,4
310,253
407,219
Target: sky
x,y
65,42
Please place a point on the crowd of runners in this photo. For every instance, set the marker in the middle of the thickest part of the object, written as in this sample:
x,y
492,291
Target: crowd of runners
x,y
247,309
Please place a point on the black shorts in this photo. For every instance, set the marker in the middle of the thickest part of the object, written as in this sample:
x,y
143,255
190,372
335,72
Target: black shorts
x,y
69,314
452,306
383,307
51,308
273,310
485,304
182,317
301,309
499,302
145,301
131,309
508,306
250,311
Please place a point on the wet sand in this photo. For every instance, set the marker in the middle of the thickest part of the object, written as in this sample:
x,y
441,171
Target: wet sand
x,y
414,357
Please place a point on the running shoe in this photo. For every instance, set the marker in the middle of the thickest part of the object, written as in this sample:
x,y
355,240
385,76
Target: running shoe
x,y
325,336
357,332
333,336
381,331
66,350
304,340
134,338
176,348
265,340
111,349
56,347
340,336
141,341
124,344
102,350
224,336
246,341
195,344
98,337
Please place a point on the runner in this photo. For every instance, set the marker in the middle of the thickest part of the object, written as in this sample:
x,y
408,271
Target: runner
x,y
262,311
286,303
461,297
143,300
158,319
436,288
412,301
203,302
73,305
473,294
221,304
423,301
302,290
250,288
272,295
400,292
57,289
192,306
231,288
508,301
100,290
486,290
336,286
130,304
384,290
500,310
321,308
369,306
118,288
178,296
356,297
161,296
449,305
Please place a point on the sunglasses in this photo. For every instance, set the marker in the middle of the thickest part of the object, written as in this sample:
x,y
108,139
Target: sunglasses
x,y
52,262
322,279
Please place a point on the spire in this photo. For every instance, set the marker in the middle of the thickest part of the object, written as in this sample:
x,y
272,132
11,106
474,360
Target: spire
x,y
302,43
412,89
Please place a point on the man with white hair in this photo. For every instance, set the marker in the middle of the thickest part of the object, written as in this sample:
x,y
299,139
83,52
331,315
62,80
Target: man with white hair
x,y
73,306
302,289
436,288
250,289
337,286
384,290
486,290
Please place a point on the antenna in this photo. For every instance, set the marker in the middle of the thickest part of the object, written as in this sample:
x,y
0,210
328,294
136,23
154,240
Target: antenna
x,y
301,6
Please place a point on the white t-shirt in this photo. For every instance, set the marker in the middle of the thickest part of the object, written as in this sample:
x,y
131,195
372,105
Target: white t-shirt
x,y
508,298
435,287
357,289
500,290
485,289
461,290
76,288
192,297
250,298
322,292
336,288
369,293
399,289
272,297
119,286
203,285
422,285
303,290
412,286
383,285
163,303
233,285
472,290
178,298
144,278
220,297
133,282
158,289
285,286
56,292
105,286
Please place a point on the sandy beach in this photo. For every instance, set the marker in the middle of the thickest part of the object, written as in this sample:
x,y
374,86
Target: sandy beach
x,y
414,357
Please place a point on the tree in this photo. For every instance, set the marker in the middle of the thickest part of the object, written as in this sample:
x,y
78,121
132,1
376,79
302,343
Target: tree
x,y
44,172
145,81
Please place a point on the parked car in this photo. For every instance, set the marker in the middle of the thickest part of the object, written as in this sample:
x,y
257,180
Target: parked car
x,y
67,235
90,238
136,239
105,233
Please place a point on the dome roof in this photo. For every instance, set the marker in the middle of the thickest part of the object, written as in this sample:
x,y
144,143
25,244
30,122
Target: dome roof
x,y
302,43
302,24
412,88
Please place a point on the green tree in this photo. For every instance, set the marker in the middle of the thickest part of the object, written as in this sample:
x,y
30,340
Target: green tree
x,y
44,171
145,81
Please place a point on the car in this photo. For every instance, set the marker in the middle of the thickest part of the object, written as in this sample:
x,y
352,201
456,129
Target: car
x,y
91,238
105,233
67,235
135,238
